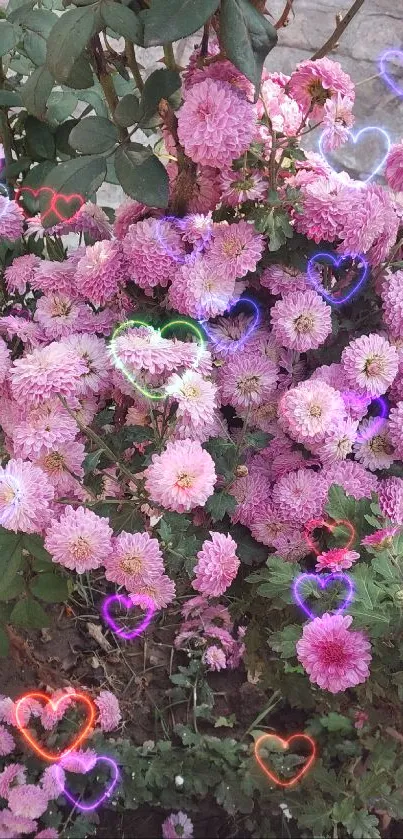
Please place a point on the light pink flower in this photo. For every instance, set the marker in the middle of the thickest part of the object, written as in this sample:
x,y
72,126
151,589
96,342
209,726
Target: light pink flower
x,y
381,539
176,826
126,214
269,527
94,355
250,491
47,833
235,248
27,800
88,219
196,397
214,658
309,410
244,185
13,773
153,248
7,742
51,715
109,715
394,167
201,290
217,565
300,495
43,429
324,209
334,658
338,119
363,221
161,591
392,300
336,559
11,219
13,827
60,462
5,362
373,447
80,540
58,315
101,272
46,372
135,558
247,381
390,498
283,279
370,364
301,321
355,480
313,83
21,272
52,781
284,112
338,442
56,277
79,761
182,477
25,497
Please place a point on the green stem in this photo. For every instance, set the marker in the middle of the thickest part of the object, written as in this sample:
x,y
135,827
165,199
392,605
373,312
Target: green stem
x,y
169,57
134,67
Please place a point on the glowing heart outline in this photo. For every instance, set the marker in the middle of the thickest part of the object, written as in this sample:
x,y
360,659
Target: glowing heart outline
x,y
137,322
128,603
186,258
255,323
323,581
68,696
56,196
380,420
337,261
314,524
88,807
355,137
285,744
384,73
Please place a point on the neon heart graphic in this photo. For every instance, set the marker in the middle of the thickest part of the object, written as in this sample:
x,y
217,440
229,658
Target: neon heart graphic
x,y
337,262
251,328
76,801
315,524
79,697
386,56
285,744
55,198
182,259
129,324
127,603
380,420
355,138
323,582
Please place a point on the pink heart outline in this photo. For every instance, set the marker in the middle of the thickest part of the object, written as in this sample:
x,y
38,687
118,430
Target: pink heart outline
x,y
88,807
128,602
354,138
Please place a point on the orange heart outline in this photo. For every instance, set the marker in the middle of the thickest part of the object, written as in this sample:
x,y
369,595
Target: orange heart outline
x,y
313,524
285,744
79,739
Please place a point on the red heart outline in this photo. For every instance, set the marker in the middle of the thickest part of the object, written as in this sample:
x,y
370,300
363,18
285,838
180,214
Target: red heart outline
x,y
81,697
56,196
313,524
285,744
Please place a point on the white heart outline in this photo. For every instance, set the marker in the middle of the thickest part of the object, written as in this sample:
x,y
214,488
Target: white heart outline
x,y
354,138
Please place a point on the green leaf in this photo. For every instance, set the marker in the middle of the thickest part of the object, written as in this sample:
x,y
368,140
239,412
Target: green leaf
x,y
10,99
68,38
257,439
336,722
122,20
36,91
13,589
142,175
94,135
277,578
285,640
170,20
127,111
82,176
34,544
50,587
160,85
219,504
82,77
40,140
224,454
11,558
91,460
60,106
247,38
29,614
249,551
362,825
4,643
9,36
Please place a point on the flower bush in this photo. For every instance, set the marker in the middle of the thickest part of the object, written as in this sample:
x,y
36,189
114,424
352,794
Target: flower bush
x,y
191,416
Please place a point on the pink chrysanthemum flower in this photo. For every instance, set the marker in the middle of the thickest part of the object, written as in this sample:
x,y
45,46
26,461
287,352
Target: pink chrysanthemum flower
x,y
301,321
354,479
5,362
27,800
60,462
284,112
338,119
300,495
313,83
246,381
381,539
219,71
21,272
101,272
394,167
385,240
390,498
42,429
249,491
26,330
126,214
79,761
338,443
177,826
88,219
7,742
269,527
206,190
14,773
235,248
81,540
324,209
244,185
50,715
392,300
182,477
214,658
196,397
334,658
11,219
161,591
395,428
217,565
370,364
283,279
215,123
109,715
46,372
94,355
310,410
201,290
52,781
56,277
153,248
363,222
58,315
47,833
25,497
13,827
337,559
144,353
135,558
373,447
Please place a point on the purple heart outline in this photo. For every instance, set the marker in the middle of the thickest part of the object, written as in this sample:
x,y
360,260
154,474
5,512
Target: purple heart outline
x,y
387,56
322,582
247,334
380,420
355,138
128,603
336,261
101,798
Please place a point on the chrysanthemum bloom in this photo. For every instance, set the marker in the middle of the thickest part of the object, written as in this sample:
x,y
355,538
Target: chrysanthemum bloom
x,y
81,540
235,248
79,761
369,224
47,833
394,167
381,539
90,218
60,462
215,123
52,781
390,498
301,321
7,742
217,565
300,495
370,364
196,397
373,447
161,591
27,800
177,825
247,381
26,330
109,715
201,290
386,239
25,497
214,658
219,71
182,477
126,214
269,527
324,209
334,658
313,83
338,119
153,248
244,185
101,272
392,300
94,355
56,277
310,410
135,558
12,826
5,362
46,372
58,315
14,773
21,272
337,559
355,480
338,442
11,219
284,112
249,491
51,714
283,279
